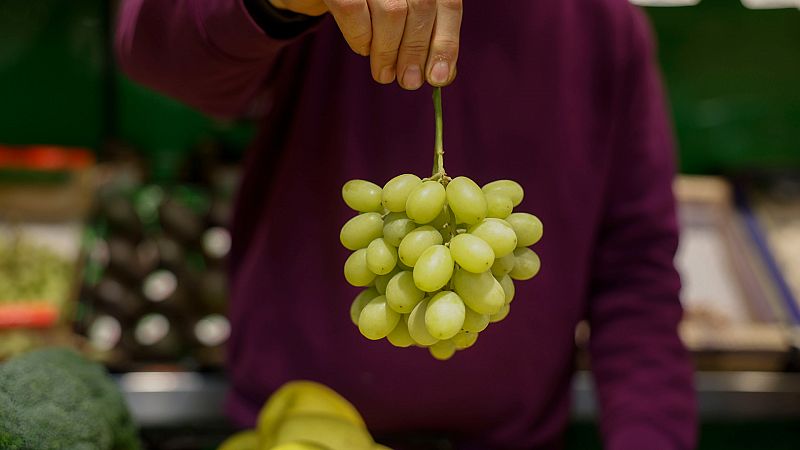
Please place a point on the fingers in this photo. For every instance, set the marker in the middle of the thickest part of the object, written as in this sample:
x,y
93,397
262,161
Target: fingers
x,y
353,19
388,22
413,52
443,53
408,40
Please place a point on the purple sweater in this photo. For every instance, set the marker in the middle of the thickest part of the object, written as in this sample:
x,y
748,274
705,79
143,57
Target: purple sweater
x,y
560,95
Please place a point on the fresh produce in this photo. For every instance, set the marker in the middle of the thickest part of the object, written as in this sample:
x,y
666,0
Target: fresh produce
x,y
437,256
54,399
304,415
244,440
33,273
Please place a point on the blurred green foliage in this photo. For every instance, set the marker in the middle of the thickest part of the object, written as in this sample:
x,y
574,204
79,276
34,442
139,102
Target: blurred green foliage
x,y
52,65
733,77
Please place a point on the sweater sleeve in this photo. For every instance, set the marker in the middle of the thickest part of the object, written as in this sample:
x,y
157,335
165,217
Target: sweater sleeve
x,y
213,55
641,369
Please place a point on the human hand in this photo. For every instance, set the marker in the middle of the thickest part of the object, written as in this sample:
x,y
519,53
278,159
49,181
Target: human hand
x,y
410,41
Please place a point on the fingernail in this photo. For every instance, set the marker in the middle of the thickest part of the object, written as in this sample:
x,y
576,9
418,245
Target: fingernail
x,y
387,75
412,77
440,72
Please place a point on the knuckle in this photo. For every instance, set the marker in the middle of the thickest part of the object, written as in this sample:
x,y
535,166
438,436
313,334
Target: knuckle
x,y
417,49
385,55
455,5
422,6
446,46
349,6
394,7
362,37
419,28
360,43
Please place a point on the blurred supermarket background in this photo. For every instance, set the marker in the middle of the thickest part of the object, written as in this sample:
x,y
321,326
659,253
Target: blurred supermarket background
x,y
114,204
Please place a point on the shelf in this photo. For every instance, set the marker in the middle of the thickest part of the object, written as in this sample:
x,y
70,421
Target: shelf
x,y
173,399
722,396
167,399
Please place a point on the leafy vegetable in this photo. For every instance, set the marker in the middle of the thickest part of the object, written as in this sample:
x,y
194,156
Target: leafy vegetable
x,y
55,399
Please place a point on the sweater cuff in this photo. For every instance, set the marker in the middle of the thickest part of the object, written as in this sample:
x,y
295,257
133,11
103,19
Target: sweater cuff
x,y
638,437
279,23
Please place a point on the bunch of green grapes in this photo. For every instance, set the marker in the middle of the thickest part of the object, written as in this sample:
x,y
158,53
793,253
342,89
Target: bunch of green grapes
x,y
438,258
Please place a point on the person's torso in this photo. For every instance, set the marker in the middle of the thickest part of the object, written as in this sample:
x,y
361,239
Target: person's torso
x,y
530,104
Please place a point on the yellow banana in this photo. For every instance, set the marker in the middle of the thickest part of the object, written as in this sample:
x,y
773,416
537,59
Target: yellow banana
x,y
304,397
326,431
299,446
244,440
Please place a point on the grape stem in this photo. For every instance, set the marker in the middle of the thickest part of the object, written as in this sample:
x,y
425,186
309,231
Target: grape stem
x,y
439,173
438,146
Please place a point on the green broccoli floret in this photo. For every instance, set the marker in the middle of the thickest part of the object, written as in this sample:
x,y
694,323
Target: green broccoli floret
x,y
55,399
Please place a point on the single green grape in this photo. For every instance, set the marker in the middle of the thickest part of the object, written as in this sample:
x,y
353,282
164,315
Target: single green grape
x,y
481,291
396,191
464,339
474,322
362,229
508,287
466,200
399,337
362,196
498,234
377,320
381,257
509,188
445,315
500,315
443,350
382,281
416,325
498,205
526,264
426,202
417,242
502,266
472,253
434,268
396,226
402,294
355,269
360,302
527,227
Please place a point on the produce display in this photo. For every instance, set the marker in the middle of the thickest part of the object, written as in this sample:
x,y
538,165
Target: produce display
x,y
304,415
775,201
33,273
155,289
438,256
54,399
